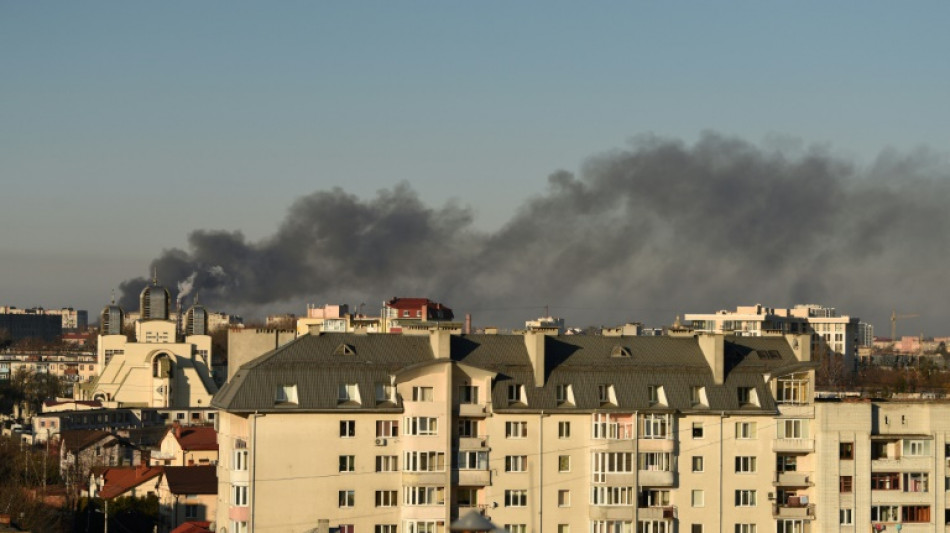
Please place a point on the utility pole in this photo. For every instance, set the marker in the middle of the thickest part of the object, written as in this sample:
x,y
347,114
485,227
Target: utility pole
x,y
105,528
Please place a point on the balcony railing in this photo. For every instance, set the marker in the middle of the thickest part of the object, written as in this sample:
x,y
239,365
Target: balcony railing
x,y
794,510
793,479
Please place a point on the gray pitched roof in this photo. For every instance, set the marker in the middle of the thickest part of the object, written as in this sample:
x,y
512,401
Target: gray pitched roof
x,y
318,364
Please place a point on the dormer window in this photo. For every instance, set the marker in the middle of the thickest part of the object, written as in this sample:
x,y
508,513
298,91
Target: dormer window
x,y
344,349
565,394
620,351
385,392
697,395
286,394
606,394
348,393
516,394
656,394
747,396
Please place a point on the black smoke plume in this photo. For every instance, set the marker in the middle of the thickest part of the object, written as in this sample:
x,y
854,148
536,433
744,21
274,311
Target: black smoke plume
x,y
642,234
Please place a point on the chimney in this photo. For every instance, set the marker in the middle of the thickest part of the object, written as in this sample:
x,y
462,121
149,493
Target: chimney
x,y
141,469
714,347
468,323
177,428
425,313
441,342
534,342
323,525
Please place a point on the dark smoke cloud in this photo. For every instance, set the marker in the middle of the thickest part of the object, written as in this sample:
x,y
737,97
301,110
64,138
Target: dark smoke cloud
x,y
659,229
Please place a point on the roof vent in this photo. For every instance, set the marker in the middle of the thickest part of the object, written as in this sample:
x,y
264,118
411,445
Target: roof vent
x,y
620,351
344,349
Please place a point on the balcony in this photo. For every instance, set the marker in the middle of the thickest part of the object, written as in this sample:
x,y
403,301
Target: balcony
x,y
656,478
656,513
473,478
793,445
613,512
792,509
473,443
908,463
472,409
424,478
793,479
656,445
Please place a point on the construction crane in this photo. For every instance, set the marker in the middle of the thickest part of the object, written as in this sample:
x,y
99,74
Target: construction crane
x,y
894,318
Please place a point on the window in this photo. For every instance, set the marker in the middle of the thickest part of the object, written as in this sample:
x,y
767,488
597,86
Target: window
x,y
655,498
424,495
516,430
387,498
745,498
473,460
697,463
745,464
347,463
468,394
516,463
698,498
746,396
606,394
846,517
745,528
516,394
697,430
346,528
239,495
466,497
516,528
563,463
845,484
563,498
885,481
655,461
611,463
653,393
915,513
564,430
191,511
793,389
385,392
384,528
422,394
284,394
846,451
656,426
387,463
792,429
917,448
423,526
424,462
348,392
745,430
387,428
468,428
347,498
697,396
347,428
609,496
240,460
916,482
884,513
696,528
516,498
565,394
422,425
563,528
238,527
652,526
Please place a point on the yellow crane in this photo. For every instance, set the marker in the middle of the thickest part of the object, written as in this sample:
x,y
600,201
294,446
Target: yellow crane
x,y
894,318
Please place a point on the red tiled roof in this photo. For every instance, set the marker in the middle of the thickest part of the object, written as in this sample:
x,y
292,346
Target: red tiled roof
x,y
197,438
193,527
121,480
201,479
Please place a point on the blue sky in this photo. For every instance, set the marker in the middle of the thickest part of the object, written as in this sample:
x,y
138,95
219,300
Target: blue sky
x,y
125,125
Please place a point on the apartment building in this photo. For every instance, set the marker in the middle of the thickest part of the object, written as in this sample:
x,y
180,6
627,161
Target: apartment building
x,y
693,433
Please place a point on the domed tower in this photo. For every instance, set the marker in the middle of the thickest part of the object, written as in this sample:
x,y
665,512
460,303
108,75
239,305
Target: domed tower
x,y
155,301
111,319
196,320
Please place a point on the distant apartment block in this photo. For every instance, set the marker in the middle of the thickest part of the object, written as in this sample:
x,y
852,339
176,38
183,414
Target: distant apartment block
x,y
73,320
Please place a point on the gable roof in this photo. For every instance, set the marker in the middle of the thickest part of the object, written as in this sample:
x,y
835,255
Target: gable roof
x,y
196,526
192,479
195,438
77,440
120,480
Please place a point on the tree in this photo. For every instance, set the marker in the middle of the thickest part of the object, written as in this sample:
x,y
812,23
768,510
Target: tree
x,y
831,368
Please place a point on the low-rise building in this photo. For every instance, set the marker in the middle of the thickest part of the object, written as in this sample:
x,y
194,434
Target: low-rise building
x,y
187,494
187,446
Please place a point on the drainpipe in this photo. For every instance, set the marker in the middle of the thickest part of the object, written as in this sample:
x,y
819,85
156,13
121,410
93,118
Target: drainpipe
x,y
541,472
252,489
722,437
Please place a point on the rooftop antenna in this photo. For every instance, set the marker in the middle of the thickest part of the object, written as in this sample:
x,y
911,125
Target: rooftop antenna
x,y
154,275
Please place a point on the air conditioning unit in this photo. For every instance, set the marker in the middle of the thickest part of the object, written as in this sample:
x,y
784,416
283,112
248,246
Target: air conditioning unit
x,y
380,442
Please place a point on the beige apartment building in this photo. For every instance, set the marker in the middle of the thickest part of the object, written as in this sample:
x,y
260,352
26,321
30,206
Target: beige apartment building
x,y
377,433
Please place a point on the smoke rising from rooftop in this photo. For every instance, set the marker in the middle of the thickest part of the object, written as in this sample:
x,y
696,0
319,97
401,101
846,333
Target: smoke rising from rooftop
x,y
641,234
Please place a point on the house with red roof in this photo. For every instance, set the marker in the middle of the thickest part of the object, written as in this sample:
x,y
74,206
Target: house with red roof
x,y
135,481
412,313
187,494
187,446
